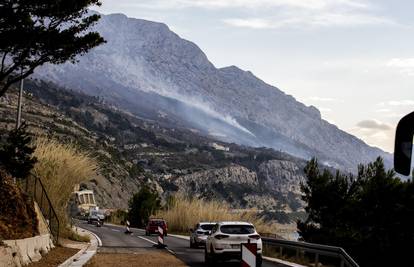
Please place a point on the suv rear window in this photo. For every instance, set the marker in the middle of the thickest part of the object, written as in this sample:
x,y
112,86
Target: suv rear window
x,y
160,223
237,229
207,227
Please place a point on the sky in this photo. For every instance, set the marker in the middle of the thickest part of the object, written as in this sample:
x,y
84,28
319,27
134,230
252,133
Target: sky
x,y
352,59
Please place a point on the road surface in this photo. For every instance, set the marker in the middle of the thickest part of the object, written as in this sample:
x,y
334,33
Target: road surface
x,y
114,239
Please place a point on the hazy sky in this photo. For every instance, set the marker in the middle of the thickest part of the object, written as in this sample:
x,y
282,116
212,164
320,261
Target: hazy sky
x,y
353,59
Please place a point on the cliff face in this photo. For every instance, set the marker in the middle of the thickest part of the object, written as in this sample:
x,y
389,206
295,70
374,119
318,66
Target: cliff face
x,y
275,186
150,71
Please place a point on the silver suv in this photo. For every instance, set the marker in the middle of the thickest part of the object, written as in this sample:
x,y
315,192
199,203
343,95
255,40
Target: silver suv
x,y
200,233
224,242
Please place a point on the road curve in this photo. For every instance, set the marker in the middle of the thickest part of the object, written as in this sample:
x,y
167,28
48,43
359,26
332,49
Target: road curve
x,y
114,238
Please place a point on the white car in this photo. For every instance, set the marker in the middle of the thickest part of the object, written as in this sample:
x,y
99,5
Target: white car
x,y
224,242
200,233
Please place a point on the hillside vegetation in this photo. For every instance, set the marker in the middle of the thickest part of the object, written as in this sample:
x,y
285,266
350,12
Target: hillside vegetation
x,y
131,151
183,213
62,166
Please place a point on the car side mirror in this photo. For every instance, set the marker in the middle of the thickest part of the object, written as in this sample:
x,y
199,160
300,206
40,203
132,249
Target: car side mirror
x,y
404,145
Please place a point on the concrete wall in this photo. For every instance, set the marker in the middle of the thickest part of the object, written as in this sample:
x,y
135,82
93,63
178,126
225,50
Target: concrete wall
x,y
21,252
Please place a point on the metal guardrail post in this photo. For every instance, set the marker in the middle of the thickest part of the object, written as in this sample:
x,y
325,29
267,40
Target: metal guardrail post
x,y
34,189
317,249
45,205
41,201
316,259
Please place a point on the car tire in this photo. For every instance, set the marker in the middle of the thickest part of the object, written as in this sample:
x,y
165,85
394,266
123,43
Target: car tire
x,y
259,260
213,257
206,257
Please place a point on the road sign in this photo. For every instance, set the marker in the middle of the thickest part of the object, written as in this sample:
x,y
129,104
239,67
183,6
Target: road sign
x,y
249,254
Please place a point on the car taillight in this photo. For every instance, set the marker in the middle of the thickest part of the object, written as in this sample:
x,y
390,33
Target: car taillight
x,y
257,237
221,236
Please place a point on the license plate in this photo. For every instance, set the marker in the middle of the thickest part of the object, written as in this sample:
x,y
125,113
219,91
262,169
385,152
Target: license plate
x,y
235,246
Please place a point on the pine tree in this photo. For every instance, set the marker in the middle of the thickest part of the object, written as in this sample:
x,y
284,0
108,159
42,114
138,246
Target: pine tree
x,y
142,205
16,155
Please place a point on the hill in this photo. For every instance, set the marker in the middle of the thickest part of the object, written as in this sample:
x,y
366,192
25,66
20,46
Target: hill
x,y
133,151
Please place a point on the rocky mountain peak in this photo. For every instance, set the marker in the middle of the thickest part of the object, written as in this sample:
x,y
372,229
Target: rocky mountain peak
x,y
146,68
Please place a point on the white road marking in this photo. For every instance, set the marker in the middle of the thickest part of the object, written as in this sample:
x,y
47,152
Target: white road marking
x,y
152,242
97,237
115,230
146,239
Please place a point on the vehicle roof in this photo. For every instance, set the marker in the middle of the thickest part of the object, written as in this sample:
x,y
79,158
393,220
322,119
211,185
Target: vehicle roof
x,y
202,223
235,223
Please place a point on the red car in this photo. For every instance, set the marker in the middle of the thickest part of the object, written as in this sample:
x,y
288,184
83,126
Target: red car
x,y
152,226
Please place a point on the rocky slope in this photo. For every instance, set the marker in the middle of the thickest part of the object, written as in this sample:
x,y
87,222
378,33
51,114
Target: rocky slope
x,y
149,70
133,151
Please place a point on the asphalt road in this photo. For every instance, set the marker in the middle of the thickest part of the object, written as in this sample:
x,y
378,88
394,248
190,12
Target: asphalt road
x,y
113,239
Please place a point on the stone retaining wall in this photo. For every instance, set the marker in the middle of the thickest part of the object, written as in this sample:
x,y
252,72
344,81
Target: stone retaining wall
x,y
21,252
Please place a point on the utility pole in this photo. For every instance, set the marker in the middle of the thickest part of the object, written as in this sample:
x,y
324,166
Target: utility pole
x,y
19,105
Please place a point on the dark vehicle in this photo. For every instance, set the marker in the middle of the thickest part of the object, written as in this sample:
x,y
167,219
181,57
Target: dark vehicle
x,y
152,226
96,217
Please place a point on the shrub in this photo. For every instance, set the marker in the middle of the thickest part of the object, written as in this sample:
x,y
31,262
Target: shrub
x,y
61,167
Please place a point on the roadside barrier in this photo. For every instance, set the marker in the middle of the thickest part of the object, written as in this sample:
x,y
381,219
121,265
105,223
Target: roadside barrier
x,y
248,254
127,231
161,238
302,248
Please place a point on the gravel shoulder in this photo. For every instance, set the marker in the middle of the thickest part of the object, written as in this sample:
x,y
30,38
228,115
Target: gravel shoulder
x,y
55,257
150,258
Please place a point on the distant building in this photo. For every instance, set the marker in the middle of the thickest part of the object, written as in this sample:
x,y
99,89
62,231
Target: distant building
x,y
219,147
85,201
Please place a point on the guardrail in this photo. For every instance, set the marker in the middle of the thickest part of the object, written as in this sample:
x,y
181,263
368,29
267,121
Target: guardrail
x,y
302,248
33,186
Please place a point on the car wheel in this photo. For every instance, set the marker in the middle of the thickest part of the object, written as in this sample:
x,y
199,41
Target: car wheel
x,y
259,260
206,257
213,257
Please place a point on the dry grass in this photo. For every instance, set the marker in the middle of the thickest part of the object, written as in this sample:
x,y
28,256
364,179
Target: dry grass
x,y
61,167
183,213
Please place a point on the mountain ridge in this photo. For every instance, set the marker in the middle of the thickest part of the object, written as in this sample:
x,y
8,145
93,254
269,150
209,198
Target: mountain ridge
x,y
144,62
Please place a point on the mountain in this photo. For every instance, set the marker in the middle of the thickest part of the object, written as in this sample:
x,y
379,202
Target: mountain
x,y
150,71
131,152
